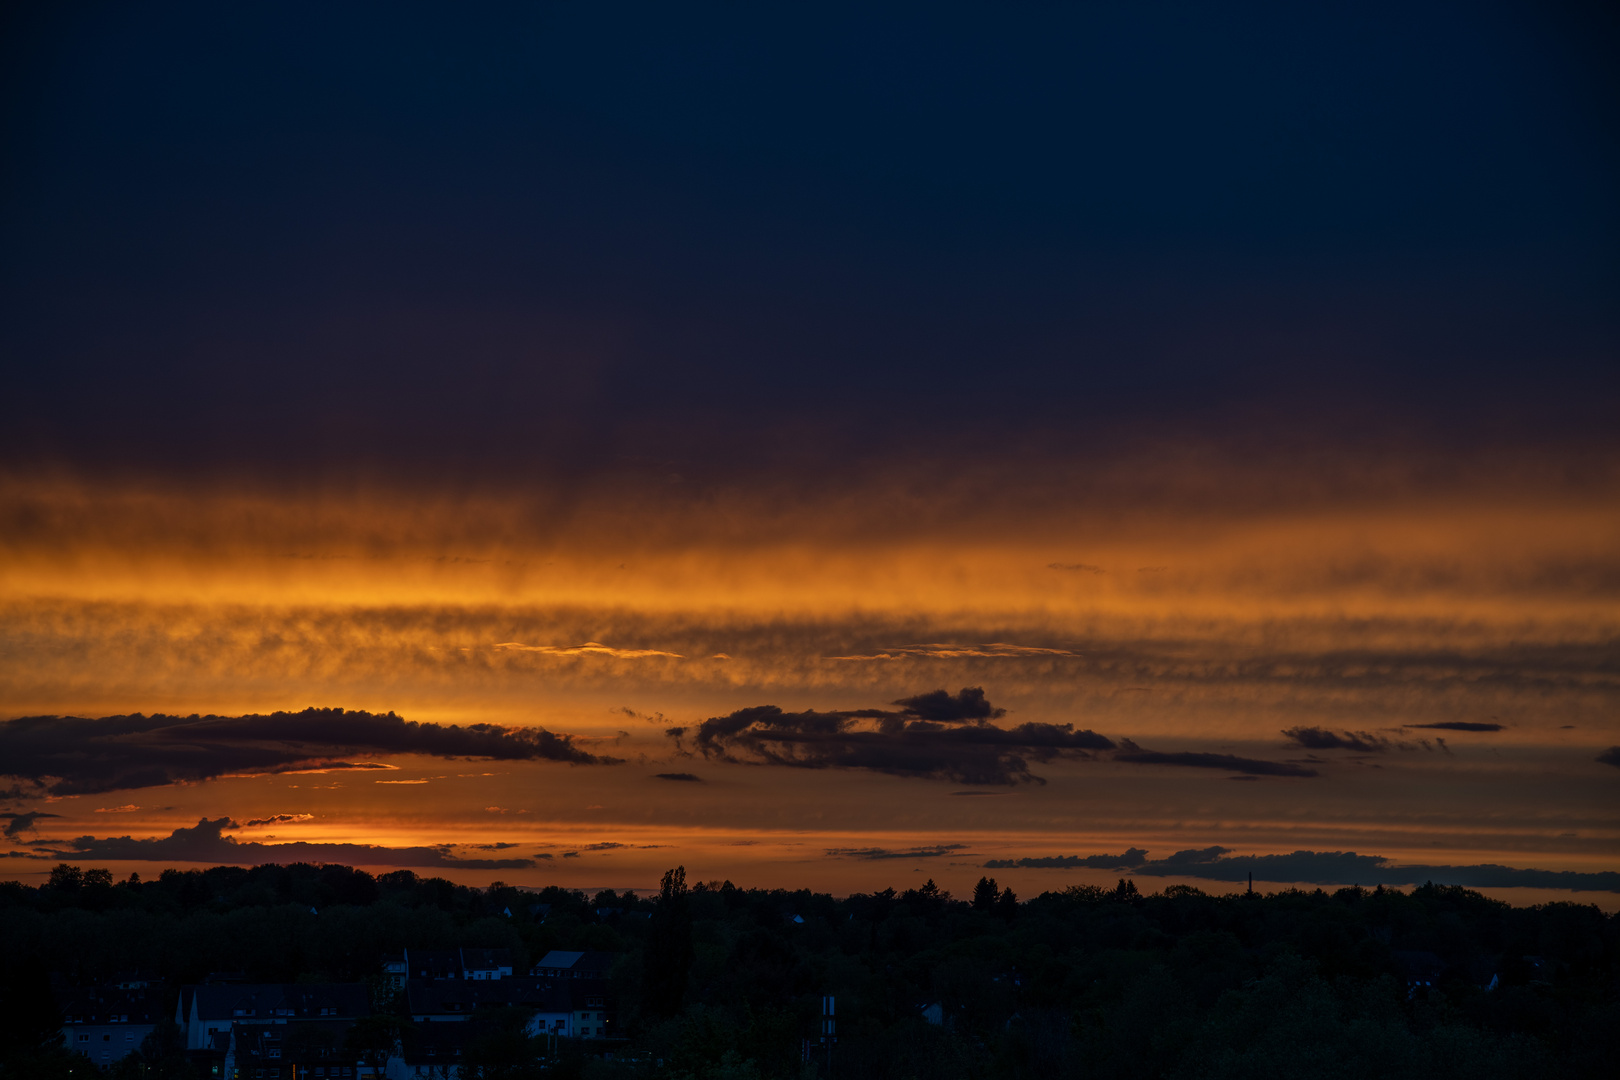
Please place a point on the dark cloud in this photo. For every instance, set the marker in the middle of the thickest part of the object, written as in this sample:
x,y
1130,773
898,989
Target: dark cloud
x,y
1133,857
690,777
1611,756
276,819
1136,755
206,842
605,845
930,852
1323,868
82,756
969,705
1458,725
1314,738
931,735
21,823
1076,567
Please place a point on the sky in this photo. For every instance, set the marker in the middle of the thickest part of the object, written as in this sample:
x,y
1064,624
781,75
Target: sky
x,y
820,446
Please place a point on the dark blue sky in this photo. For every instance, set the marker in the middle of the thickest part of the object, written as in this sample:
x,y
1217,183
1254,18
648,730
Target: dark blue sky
x,y
293,238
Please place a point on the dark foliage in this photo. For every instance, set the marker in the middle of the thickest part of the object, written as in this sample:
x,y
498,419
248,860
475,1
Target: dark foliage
x,y
726,982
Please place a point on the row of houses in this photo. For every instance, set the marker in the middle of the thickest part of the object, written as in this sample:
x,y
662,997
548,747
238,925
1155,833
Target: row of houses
x,y
281,1031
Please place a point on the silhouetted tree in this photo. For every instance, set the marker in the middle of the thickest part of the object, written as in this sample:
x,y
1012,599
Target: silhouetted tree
x,y
376,1039
984,894
669,947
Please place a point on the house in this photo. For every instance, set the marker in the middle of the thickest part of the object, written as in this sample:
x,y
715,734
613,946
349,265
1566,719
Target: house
x,y
572,1009
204,1011
436,1050
590,1015
458,963
300,1048
450,1000
557,964
108,1023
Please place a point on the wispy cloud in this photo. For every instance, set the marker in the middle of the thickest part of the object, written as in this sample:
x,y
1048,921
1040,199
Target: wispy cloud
x,y
71,755
995,650
277,819
1458,725
1322,868
930,851
1315,738
206,842
1136,755
590,648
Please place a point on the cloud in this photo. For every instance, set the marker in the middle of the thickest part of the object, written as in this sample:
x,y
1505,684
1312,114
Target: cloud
x,y
590,648
995,650
1611,756
1133,857
20,823
1324,868
1076,567
1136,755
1458,725
689,777
127,808
1315,738
931,735
205,842
73,755
929,852
277,819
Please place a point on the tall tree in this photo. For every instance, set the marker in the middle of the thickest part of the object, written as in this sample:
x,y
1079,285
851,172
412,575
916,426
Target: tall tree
x,y
669,947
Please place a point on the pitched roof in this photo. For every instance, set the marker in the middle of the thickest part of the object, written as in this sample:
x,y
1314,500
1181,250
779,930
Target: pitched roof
x,y
110,1005
450,997
263,1001
575,963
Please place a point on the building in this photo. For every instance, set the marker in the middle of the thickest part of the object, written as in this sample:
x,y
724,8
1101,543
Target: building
x,y
204,1012
557,964
312,1049
571,1009
108,1023
436,1050
458,963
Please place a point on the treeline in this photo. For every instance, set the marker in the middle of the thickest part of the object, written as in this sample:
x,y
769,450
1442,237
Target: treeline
x,y
718,981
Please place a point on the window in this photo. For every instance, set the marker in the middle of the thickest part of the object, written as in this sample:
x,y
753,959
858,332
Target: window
x,y
106,1038
83,1037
